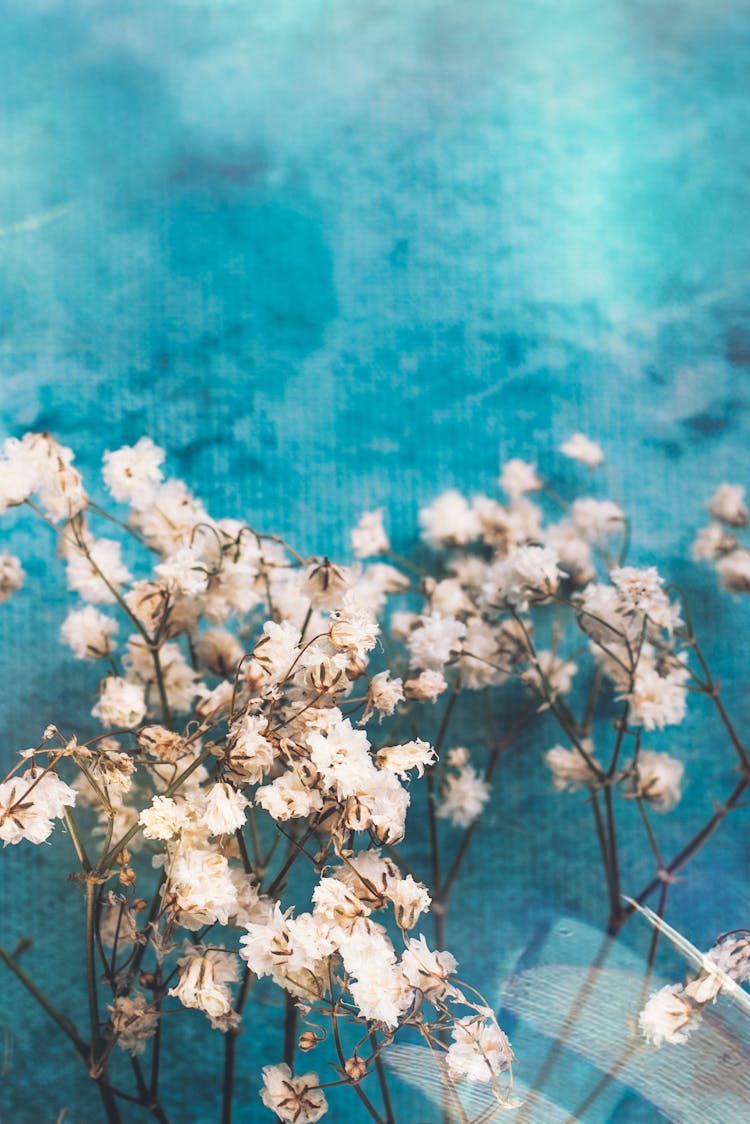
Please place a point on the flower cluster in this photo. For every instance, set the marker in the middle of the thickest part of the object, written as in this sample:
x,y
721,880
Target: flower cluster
x,y
718,543
267,715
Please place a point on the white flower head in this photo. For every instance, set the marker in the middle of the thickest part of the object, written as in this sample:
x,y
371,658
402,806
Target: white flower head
x,y
121,703
728,505
479,1051
583,449
399,759
88,633
369,537
518,477
464,795
11,575
224,809
295,1100
435,641
658,779
133,473
30,803
449,521
669,1016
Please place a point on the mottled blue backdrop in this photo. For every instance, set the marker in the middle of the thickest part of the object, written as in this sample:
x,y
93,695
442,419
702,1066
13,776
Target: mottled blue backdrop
x,y
340,254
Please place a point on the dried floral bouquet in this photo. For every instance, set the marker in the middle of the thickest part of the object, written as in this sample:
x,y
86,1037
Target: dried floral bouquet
x,y
266,721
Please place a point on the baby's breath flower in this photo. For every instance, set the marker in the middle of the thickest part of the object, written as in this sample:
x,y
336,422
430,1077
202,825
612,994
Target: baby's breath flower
x,y
669,1016
479,1051
728,505
133,1022
295,1100
428,686
569,768
449,521
734,571
428,971
88,633
369,537
583,449
121,703
464,795
11,575
658,779
132,473
92,572
519,477
399,759
29,804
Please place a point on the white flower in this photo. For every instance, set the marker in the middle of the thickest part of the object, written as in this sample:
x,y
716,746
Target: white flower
x,y
343,759
219,651
133,1022
203,979
519,477
277,648
369,537
133,473
531,574
596,520
480,1051
295,1100
572,549
399,759
656,701
201,886
449,521
583,449
464,795
734,571
480,663
432,644
550,673
84,571
370,876
428,685
88,632
385,693
428,971
569,769
353,630
121,703
667,1017
169,519
641,592
225,809
29,803
377,986
288,798
387,803
184,572
163,819
712,542
11,575
732,957
250,754
728,505
20,474
658,779
410,899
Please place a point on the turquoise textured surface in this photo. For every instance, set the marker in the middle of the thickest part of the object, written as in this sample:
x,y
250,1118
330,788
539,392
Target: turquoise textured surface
x,y
337,255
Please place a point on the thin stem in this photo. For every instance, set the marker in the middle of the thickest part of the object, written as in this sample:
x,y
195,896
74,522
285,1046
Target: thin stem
x,y
382,1079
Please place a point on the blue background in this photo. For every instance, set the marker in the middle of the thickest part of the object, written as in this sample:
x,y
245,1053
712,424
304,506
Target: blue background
x,y
337,255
